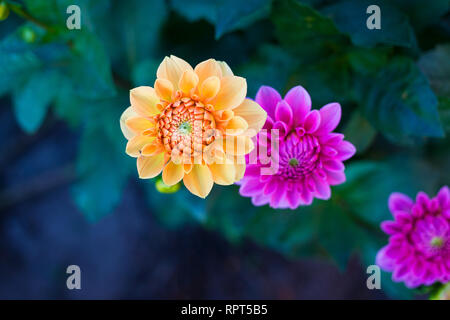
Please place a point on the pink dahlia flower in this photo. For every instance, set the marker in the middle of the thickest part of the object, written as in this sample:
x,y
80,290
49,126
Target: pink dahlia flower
x,y
309,157
418,252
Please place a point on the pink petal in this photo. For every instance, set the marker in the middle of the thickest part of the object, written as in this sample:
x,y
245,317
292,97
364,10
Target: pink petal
x,y
283,112
335,177
386,263
333,165
323,190
260,200
282,127
300,102
250,187
390,227
293,197
267,97
312,121
330,116
346,150
399,201
443,197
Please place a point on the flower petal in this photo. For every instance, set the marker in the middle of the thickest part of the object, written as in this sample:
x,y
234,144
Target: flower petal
x,y
127,114
232,93
139,124
330,115
253,114
300,102
345,150
224,173
136,144
268,98
164,89
236,124
283,112
188,81
150,167
172,68
172,173
199,180
144,100
226,70
312,121
208,69
399,201
209,88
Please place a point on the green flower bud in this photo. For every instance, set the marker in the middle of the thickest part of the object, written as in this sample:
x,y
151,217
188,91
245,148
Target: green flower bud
x,y
28,35
4,10
443,293
164,188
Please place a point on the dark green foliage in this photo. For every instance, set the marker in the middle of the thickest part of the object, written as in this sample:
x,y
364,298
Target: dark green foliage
x,y
393,85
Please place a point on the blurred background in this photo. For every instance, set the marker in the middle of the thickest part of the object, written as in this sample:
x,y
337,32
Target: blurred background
x,y
70,195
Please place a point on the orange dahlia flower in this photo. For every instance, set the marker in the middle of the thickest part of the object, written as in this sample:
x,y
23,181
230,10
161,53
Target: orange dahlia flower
x,y
195,125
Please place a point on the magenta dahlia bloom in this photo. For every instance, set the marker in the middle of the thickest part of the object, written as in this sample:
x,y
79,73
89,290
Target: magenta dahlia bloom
x,y
418,252
309,157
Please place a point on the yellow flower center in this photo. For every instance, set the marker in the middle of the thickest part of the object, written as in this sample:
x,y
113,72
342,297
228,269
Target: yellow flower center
x,y
186,126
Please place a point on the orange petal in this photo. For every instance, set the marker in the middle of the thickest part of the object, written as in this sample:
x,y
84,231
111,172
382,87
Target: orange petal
x,y
187,167
152,149
172,69
199,181
253,114
240,168
188,81
223,174
144,101
209,88
164,89
172,173
208,69
236,125
150,167
127,114
139,124
238,145
232,93
226,70
136,144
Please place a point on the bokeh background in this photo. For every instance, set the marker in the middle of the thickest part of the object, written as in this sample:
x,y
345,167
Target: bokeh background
x,y
70,195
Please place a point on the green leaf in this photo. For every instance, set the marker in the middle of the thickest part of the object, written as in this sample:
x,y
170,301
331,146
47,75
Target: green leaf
x,y
370,183
225,15
102,165
32,100
90,69
17,61
272,66
350,17
422,13
359,132
444,112
368,61
137,36
405,107
306,32
435,64
144,73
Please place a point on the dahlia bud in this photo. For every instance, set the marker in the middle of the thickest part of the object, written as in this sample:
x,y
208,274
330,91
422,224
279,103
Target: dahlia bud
x,y
28,35
164,188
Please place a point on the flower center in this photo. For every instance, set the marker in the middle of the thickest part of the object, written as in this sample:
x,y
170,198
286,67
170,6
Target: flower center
x,y
298,158
437,242
186,126
293,162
